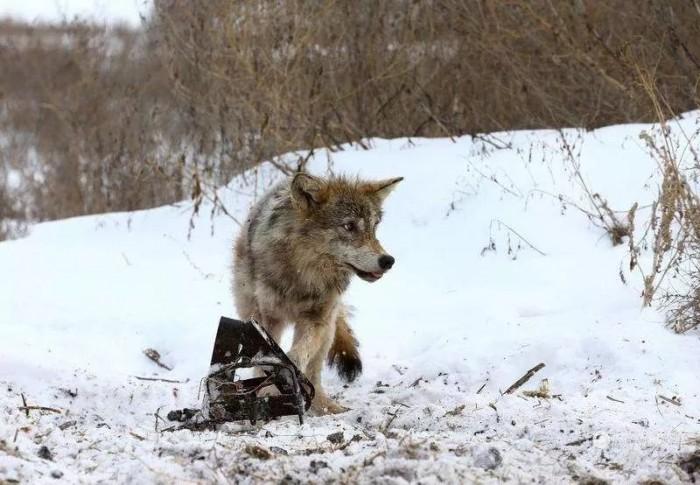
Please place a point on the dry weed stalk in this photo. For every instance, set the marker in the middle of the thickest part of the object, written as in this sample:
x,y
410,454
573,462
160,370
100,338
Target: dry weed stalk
x,y
675,219
600,212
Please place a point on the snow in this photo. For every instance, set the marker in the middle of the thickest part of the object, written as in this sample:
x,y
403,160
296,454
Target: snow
x,y
102,11
494,275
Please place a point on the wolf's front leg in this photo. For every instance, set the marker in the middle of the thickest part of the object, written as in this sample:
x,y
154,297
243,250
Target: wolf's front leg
x,y
312,341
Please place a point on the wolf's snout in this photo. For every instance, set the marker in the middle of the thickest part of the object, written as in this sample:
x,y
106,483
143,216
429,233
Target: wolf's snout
x,y
386,261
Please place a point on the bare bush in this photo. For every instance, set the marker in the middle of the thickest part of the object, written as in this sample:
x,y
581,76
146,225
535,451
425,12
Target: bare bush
x,y
119,119
81,112
274,76
674,226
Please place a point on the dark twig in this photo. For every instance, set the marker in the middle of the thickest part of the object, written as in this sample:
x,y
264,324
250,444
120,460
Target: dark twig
x,y
501,145
66,425
154,355
24,403
171,381
39,408
155,424
524,378
580,442
391,420
532,246
285,170
673,400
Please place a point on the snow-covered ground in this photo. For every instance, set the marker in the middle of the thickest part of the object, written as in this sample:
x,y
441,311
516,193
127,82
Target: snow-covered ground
x,y
494,275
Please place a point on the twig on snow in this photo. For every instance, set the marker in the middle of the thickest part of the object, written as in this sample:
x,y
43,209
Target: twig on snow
x,y
391,420
159,379
154,356
24,403
524,378
520,236
39,408
493,406
66,425
456,411
580,442
155,427
369,460
671,400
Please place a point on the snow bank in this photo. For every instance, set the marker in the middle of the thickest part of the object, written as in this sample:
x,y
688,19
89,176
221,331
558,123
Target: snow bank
x,y
494,275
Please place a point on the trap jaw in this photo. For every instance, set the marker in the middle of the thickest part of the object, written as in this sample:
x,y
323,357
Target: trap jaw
x,y
283,390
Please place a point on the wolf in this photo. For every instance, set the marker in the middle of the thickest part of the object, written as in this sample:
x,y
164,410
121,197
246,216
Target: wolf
x,y
295,256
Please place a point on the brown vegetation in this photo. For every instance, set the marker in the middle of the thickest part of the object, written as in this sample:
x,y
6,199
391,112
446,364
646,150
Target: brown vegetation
x,y
114,119
674,227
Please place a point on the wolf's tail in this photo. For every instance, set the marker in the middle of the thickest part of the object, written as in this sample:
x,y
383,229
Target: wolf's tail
x,y
344,354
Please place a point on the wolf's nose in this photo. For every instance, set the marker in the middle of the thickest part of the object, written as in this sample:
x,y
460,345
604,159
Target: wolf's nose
x,y
386,261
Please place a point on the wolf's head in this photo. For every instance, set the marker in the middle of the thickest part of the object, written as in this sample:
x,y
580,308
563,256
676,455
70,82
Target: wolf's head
x,y
339,218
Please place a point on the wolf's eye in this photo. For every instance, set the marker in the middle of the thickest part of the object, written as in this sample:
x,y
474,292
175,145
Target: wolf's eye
x,y
349,226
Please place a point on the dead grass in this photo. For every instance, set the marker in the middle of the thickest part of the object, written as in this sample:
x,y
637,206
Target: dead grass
x,y
674,227
119,119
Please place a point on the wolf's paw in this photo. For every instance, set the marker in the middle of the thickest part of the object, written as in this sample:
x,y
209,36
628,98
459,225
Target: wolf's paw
x,y
348,366
322,405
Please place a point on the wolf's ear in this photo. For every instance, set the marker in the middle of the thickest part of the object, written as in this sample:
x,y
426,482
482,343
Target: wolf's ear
x,y
307,191
383,188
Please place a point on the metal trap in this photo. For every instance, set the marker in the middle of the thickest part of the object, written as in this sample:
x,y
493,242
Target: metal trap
x,y
280,389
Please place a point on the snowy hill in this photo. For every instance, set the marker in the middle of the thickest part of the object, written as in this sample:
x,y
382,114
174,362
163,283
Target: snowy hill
x,y
497,271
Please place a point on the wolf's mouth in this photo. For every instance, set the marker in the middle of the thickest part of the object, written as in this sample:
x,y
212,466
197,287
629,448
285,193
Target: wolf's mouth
x,y
367,275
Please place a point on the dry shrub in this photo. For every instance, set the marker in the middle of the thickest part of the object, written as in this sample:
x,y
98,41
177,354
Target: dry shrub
x,y
118,119
597,211
276,76
674,226
80,112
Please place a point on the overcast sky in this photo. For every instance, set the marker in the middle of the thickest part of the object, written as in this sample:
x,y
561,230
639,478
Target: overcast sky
x,y
111,11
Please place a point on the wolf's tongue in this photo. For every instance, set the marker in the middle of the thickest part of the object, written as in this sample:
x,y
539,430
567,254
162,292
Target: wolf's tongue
x,y
376,275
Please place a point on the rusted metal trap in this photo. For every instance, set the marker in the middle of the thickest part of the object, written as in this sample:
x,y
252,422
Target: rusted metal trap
x,y
279,389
